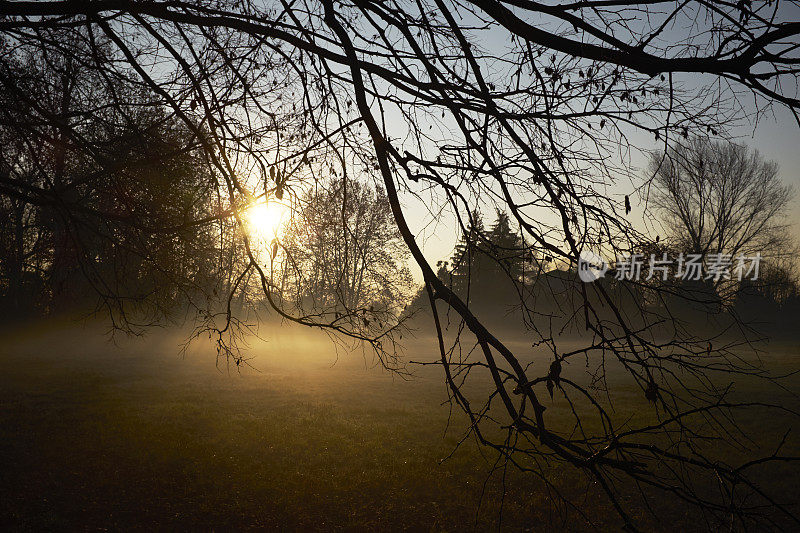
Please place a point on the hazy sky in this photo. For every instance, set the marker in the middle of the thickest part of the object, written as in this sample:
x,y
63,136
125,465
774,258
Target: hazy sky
x,y
775,134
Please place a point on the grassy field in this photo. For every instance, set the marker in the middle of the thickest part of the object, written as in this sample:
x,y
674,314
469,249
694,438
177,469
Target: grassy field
x,y
134,436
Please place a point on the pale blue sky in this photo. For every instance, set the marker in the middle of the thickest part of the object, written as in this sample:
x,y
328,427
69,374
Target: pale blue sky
x,y
776,135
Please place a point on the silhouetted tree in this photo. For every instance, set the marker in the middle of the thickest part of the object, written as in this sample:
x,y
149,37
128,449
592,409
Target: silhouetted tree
x,y
103,188
469,265
342,255
517,105
721,198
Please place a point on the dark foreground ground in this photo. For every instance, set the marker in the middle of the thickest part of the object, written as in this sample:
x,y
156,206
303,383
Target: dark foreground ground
x,y
133,436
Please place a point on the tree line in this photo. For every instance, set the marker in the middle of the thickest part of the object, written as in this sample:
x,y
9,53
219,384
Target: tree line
x,y
708,198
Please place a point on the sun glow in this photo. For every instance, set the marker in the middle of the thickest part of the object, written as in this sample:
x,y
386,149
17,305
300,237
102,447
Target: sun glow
x,y
265,220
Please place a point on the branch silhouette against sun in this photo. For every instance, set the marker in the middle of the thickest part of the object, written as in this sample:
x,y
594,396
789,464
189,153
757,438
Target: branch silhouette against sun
x,y
530,108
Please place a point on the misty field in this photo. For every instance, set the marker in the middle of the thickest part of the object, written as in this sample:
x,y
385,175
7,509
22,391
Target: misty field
x,y
102,436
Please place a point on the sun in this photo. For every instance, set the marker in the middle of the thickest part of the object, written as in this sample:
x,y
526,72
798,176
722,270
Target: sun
x,y
265,220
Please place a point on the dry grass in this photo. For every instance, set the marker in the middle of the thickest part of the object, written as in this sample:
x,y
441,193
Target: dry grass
x,y
135,437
